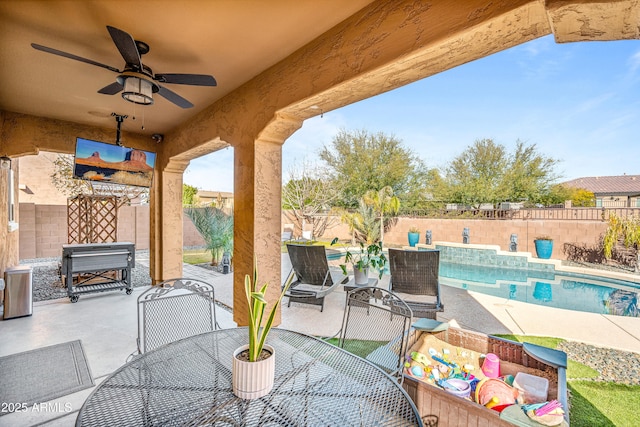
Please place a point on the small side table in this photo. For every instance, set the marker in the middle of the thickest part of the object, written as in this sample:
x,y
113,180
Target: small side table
x,y
351,284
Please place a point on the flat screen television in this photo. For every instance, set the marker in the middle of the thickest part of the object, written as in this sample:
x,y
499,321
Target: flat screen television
x,y
114,164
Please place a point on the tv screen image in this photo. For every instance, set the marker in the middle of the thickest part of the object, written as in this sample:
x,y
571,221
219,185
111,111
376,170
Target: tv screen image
x,y
98,161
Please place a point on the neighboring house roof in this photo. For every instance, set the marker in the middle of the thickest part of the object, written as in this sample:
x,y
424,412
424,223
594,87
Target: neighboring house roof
x,y
625,185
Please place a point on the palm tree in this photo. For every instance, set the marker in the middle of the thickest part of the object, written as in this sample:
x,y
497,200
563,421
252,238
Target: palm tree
x,y
362,223
215,227
384,203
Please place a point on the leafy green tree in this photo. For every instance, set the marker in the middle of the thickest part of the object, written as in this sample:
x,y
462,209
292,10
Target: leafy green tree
x,y
529,174
359,161
583,198
189,195
475,176
487,173
385,205
579,197
215,227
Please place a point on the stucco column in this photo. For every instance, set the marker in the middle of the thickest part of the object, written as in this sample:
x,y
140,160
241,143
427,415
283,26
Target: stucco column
x,y
257,208
165,250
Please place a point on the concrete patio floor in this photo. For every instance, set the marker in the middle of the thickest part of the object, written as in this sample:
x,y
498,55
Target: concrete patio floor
x,y
106,324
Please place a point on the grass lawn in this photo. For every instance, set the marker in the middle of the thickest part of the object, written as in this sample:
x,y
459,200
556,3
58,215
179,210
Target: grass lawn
x,y
360,348
593,403
196,256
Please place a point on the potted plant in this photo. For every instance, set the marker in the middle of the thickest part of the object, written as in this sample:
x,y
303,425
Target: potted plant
x,y
367,256
413,236
544,246
253,367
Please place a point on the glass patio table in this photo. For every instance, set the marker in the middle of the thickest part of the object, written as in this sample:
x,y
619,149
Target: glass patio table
x,y
188,383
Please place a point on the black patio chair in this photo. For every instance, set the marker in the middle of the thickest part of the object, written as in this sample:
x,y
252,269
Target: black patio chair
x,y
376,327
416,273
313,278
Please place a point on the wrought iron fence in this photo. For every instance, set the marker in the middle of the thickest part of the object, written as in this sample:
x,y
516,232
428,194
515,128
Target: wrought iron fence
x,y
581,214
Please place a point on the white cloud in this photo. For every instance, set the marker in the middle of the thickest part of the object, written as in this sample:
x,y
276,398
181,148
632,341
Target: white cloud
x,y
634,63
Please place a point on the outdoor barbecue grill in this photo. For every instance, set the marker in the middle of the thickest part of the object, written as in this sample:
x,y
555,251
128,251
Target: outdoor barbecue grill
x,y
97,267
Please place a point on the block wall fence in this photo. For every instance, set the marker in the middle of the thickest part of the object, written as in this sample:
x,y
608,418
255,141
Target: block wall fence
x,y
43,231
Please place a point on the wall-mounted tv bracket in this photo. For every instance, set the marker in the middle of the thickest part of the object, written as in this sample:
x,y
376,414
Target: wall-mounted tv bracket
x,y
119,119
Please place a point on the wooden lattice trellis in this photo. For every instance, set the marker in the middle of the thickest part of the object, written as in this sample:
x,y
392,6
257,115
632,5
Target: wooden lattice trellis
x,y
92,219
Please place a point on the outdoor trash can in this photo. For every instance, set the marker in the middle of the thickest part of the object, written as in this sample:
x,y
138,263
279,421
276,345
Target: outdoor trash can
x,y
18,292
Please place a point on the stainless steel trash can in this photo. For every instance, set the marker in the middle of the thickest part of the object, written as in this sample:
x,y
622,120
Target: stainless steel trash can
x,y
18,292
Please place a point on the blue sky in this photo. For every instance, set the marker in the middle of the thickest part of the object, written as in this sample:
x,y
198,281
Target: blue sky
x,y
578,102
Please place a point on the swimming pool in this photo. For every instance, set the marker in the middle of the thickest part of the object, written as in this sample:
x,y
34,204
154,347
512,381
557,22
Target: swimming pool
x,y
565,290
547,287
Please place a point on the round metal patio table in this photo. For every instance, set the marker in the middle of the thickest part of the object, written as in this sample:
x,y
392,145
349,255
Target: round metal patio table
x,y
188,383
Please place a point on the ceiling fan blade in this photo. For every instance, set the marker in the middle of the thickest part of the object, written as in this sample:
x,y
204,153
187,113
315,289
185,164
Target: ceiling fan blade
x,y
111,89
174,97
187,79
72,56
127,47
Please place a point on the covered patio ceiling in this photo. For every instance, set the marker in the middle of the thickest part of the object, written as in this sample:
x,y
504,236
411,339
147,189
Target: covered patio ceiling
x,y
232,40
276,62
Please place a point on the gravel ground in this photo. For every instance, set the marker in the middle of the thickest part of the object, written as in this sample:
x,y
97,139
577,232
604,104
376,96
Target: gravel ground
x,y
613,365
47,284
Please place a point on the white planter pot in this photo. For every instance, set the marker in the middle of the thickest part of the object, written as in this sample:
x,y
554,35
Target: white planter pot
x,y
361,277
252,380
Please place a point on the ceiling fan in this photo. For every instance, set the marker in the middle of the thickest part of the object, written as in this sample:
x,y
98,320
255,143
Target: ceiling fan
x,y
136,80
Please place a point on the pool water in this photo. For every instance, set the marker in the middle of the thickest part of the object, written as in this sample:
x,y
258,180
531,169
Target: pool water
x,y
565,290
570,291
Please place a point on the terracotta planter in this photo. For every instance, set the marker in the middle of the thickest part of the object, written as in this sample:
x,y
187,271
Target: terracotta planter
x,y
361,277
252,380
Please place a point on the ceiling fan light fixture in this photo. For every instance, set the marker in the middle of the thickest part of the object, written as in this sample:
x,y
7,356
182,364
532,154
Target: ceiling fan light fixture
x,y
138,91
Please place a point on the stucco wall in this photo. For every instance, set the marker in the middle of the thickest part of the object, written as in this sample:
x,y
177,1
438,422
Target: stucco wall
x,y
43,229
35,180
498,232
491,232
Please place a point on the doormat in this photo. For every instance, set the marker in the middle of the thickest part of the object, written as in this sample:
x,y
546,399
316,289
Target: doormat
x,y
44,374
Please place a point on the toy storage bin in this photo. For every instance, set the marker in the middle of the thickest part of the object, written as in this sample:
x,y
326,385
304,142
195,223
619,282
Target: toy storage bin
x,y
532,388
514,358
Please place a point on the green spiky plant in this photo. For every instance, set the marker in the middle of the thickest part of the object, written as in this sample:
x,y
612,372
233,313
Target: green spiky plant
x,y
215,227
627,229
257,304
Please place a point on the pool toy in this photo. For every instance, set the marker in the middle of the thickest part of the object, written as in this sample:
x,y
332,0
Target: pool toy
x,y
417,371
456,387
491,366
492,403
420,358
492,388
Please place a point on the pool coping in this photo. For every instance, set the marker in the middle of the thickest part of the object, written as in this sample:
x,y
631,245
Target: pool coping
x,y
556,263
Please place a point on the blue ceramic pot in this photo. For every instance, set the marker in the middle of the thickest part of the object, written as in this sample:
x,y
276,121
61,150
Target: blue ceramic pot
x,y
544,248
414,238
